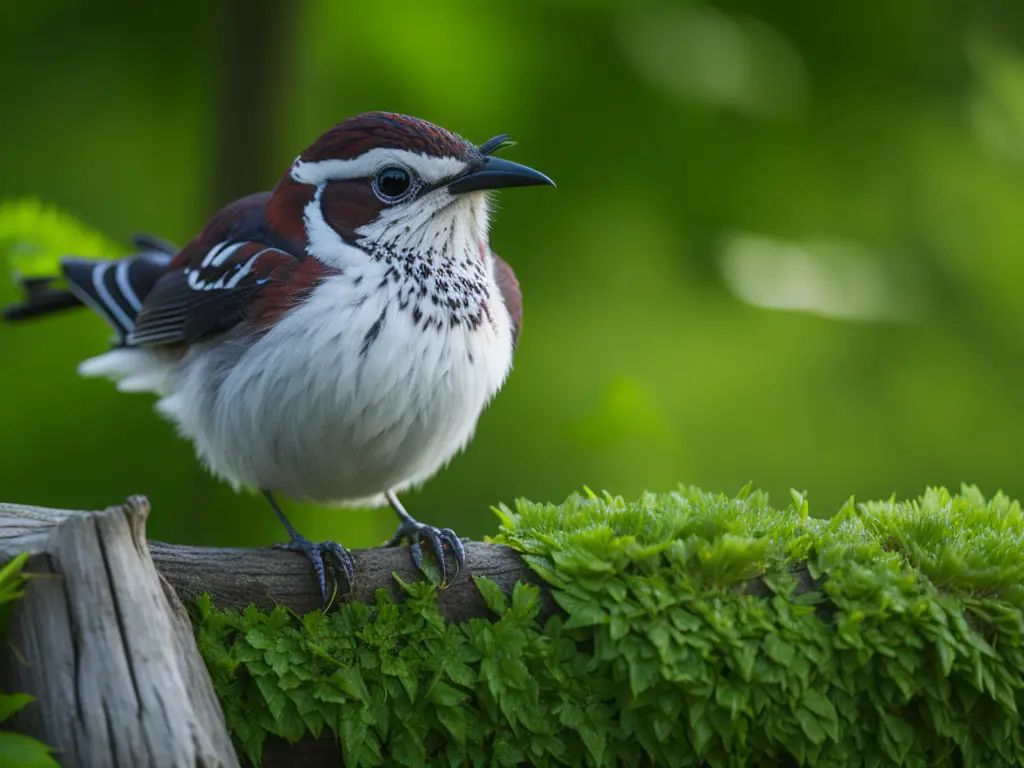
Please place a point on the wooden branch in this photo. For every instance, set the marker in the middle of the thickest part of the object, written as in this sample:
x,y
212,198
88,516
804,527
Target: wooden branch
x,y
269,577
105,647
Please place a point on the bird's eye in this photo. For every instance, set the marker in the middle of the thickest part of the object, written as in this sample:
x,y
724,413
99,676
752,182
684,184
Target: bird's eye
x,y
392,184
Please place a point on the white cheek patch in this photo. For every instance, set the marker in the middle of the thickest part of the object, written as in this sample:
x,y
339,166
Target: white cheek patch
x,y
412,218
431,169
324,242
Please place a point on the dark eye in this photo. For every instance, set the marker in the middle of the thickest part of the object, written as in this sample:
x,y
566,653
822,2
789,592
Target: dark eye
x,y
392,183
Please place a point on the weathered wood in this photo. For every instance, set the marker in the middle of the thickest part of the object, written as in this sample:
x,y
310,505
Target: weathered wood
x,y
269,577
105,646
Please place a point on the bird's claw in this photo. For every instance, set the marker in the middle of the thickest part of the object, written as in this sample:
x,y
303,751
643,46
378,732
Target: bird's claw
x,y
438,539
336,555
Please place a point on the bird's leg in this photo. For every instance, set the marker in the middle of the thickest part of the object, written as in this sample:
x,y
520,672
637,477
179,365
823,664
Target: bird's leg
x,y
415,532
336,554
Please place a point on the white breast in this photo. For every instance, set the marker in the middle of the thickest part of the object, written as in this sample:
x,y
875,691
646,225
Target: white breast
x,y
345,398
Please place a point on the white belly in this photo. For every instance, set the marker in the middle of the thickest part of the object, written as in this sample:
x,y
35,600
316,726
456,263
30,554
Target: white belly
x,y
315,411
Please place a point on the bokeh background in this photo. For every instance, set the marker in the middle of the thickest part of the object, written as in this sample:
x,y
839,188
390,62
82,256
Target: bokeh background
x,y
787,244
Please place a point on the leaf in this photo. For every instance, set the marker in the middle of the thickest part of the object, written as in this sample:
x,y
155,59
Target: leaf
x,y
257,638
12,580
778,649
819,704
13,702
443,695
20,751
351,682
582,613
897,737
325,691
275,698
492,594
454,721
810,726
35,236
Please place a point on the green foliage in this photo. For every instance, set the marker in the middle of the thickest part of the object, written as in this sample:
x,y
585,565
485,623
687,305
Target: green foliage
x,y
16,750
890,634
34,237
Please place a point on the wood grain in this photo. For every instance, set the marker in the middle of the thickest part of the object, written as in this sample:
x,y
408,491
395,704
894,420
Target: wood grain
x,y
105,646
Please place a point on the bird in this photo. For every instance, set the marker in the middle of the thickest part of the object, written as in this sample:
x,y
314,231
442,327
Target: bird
x,y
334,340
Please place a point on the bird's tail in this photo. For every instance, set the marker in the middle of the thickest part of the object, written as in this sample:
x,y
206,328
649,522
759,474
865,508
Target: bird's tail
x,y
113,289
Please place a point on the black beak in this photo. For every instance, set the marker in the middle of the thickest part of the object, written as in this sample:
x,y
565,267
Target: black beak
x,y
496,174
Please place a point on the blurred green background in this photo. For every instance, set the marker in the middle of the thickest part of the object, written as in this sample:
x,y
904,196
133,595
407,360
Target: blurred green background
x,y
787,244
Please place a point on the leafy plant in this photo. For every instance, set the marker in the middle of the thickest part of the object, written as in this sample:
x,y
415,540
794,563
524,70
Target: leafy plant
x,y
17,750
34,236
890,634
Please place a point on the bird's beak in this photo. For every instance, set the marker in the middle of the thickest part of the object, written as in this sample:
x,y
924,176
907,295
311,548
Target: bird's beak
x,y
496,173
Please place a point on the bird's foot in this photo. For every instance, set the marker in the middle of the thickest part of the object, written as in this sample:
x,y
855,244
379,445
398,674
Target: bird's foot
x,y
438,539
323,555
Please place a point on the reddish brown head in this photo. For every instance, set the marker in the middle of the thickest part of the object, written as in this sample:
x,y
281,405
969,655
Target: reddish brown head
x,y
385,130
379,173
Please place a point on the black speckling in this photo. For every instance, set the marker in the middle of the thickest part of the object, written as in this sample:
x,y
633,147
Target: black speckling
x,y
373,333
455,281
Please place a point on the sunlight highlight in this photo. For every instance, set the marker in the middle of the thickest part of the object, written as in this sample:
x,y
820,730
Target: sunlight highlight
x,y
825,277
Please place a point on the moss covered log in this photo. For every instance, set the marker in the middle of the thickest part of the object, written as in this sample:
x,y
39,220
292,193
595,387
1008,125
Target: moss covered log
x,y
694,629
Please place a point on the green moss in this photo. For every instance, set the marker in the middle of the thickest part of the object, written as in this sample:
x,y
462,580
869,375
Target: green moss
x,y
904,647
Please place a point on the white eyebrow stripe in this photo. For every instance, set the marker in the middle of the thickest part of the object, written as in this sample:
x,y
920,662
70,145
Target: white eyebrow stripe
x,y
430,169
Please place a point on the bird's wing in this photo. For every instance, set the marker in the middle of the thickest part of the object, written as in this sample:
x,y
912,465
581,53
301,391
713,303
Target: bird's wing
x,y
236,271
192,303
510,294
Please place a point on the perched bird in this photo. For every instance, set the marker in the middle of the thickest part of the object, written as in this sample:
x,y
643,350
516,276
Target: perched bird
x,y
334,340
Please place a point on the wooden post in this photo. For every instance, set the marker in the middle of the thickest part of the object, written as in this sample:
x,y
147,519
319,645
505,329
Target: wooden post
x,y
105,646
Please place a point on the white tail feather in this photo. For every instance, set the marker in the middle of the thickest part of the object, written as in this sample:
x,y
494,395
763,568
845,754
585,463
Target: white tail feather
x,y
134,370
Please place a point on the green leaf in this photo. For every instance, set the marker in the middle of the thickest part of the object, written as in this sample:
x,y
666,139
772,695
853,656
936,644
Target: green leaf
x,y
35,236
454,721
351,682
13,702
275,699
12,580
493,597
582,613
19,751
778,649
818,703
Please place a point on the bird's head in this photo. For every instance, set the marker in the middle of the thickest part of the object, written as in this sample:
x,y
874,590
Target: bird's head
x,y
389,185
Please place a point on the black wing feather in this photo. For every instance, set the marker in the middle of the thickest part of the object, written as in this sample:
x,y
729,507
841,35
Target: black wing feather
x,y
193,303
113,288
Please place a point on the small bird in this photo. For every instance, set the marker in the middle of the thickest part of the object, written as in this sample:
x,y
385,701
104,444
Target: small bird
x,y
334,340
